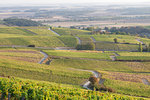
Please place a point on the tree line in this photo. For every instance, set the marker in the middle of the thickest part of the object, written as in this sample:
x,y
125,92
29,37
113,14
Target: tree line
x,y
20,22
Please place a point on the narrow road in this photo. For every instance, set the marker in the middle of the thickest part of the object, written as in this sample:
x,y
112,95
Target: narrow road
x,y
79,41
139,40
45,57
93,39
54,32
145,81
113,58
95,73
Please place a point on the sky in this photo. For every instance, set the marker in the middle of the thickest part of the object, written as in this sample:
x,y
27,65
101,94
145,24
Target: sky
x,y
22,2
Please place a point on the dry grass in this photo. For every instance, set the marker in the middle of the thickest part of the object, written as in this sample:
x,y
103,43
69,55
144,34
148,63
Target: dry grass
x,y
21,55
126,76
88,51
28,59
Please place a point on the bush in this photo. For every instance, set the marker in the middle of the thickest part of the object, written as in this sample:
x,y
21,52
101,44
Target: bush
x,y
93,80
20,22
88,46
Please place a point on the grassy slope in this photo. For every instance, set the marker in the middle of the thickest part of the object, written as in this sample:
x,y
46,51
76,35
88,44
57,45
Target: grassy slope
x,y
42,32
13,30
120,38
69,41
133,56
35,71
60,72
45,90
125,87
116,47
81,54
40,41
67,31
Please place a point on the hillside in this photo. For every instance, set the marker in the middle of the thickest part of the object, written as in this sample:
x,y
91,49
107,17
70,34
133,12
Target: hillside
x,y
55,69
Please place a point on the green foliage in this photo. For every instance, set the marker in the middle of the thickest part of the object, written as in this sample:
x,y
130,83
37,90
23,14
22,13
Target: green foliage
x,y
88,46
115,40
29,70
20,22
140,47
44,91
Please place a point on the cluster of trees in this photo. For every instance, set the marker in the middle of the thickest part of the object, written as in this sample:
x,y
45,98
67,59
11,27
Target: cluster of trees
x,y
20,22
122,30
144,47
88,46
127,30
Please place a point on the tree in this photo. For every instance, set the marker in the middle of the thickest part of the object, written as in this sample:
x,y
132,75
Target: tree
x,y
140,47
21,22
148,48
88,46
106,28
115,40
93,80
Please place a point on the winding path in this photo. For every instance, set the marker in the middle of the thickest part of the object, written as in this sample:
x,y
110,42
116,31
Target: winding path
x,y
95,73
45,57
113,58
54,32
139,40
93,39
145,81
79,41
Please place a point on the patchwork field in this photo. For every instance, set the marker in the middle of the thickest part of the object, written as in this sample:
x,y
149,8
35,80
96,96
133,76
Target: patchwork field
x,y
72,67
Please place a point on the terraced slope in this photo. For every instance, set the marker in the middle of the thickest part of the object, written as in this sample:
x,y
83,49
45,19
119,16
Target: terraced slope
x,y
14,30
39,41
68,31
43,90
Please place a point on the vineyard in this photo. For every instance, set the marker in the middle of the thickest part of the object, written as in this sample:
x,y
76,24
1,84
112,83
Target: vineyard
x,y
67,31
65,70
134,56
28,89
76,54
120,38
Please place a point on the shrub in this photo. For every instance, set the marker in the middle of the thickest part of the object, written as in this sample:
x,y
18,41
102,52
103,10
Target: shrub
x,y
93,80
88,46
